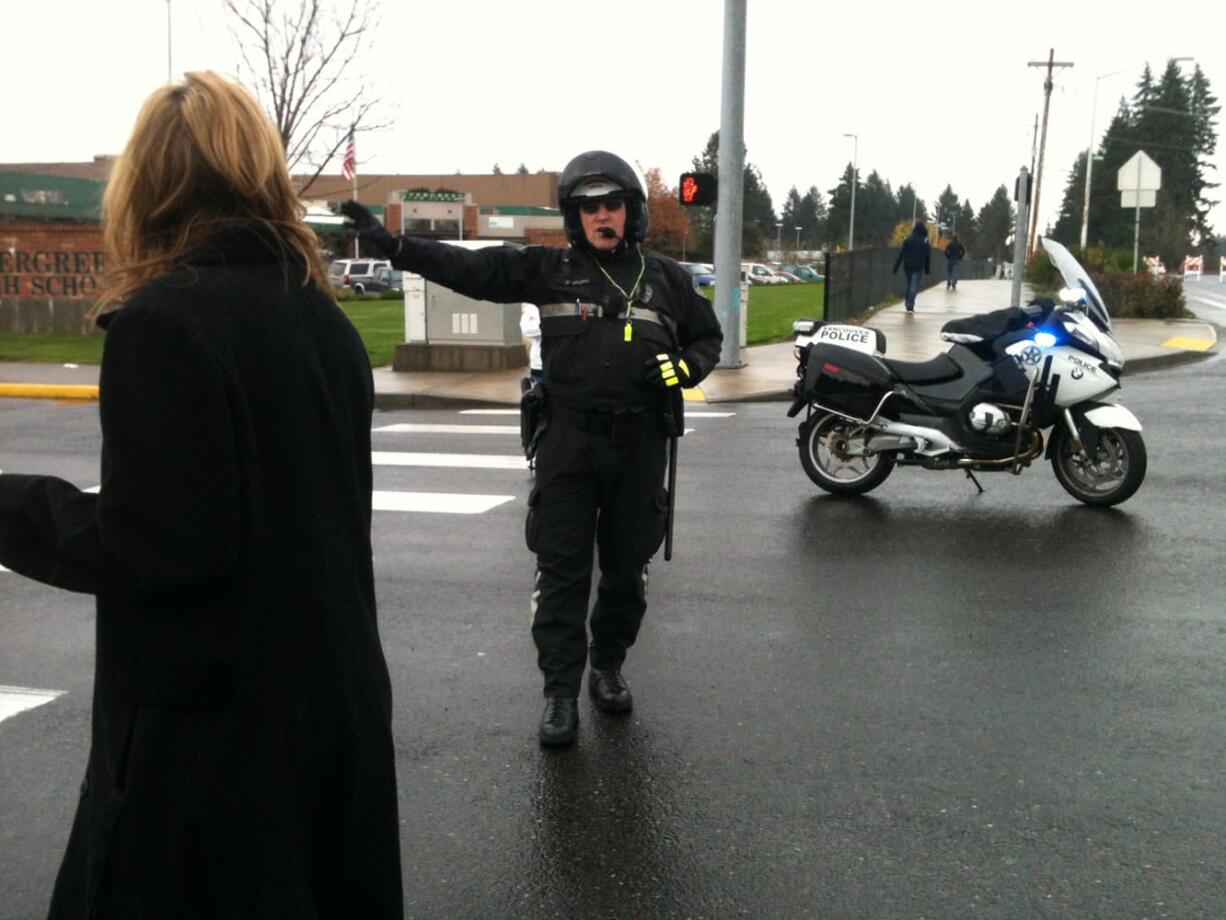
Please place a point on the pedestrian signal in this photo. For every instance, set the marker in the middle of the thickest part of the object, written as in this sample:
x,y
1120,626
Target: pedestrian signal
x,y
697,189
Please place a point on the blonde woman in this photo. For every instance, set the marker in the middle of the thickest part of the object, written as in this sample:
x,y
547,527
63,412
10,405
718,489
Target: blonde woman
x,y
242,761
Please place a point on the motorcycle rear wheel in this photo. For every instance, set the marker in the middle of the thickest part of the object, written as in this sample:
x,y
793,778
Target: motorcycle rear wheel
x,y
822,441
1112,476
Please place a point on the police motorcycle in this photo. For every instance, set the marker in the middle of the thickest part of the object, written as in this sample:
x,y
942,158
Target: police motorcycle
x,y
1015,385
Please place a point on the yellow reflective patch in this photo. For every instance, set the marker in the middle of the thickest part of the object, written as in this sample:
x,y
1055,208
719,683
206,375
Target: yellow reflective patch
x,y
1191,344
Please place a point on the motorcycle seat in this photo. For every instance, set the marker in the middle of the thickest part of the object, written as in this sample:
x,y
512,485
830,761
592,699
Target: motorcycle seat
x,y
934,370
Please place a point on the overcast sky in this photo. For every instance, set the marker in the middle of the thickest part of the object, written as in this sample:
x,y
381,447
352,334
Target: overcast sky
x,y
938,93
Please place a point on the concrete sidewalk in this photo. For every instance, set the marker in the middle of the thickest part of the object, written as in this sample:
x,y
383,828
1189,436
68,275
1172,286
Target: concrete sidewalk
x,y
768,373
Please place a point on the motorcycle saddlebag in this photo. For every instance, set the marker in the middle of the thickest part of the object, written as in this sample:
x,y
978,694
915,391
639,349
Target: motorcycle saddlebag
x,y
844,379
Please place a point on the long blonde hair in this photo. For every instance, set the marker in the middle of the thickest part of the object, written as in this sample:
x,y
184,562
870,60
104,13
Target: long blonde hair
x,y
202,158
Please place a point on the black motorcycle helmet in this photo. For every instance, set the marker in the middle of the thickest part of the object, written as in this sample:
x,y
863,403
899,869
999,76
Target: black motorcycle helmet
x,y
600,174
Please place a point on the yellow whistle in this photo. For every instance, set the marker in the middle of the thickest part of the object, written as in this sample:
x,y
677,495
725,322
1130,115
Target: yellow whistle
x,y
629,329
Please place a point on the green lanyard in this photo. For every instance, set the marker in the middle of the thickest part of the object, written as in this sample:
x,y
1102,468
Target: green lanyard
x,y
634,290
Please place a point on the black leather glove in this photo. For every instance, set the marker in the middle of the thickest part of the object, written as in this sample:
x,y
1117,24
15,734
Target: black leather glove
x,y
368,228
665,370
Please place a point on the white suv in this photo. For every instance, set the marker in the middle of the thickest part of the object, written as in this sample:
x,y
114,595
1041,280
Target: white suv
x,y
355,273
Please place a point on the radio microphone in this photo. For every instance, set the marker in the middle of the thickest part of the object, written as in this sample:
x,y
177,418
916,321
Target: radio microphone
x,y
608,233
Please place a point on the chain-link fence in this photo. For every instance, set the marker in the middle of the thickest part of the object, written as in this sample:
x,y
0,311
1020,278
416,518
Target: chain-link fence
x,y
863,278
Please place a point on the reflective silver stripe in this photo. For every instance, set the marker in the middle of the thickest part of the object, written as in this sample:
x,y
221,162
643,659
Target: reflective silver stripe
x,y
570,309
594,309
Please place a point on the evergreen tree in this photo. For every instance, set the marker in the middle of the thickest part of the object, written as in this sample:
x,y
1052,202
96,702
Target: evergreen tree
x,y
789,218
1068,224
910,206
966,228
839,217
758,221
1108,223
522,171
811,218
994,224
948,209
876,211
1204,108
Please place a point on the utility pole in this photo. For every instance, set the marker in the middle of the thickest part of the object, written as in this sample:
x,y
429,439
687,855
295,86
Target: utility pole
x,y
731,193
1051,63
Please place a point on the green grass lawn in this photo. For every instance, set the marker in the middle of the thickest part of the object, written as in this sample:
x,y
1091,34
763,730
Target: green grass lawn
x,y
381,326
380,323
50,348
772,307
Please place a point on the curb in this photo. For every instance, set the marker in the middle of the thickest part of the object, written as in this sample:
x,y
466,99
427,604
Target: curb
x,y
78,392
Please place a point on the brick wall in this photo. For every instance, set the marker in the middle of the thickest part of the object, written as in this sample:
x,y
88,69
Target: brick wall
x,y
49,273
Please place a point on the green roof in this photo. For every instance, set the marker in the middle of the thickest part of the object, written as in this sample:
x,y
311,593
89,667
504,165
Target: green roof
x,y
54,197
520,210
433,196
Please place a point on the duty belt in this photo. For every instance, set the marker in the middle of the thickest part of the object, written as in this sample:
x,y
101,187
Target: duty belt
x,y
587,310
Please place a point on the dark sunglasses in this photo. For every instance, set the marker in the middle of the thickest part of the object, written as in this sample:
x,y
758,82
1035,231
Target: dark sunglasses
x,y
612,205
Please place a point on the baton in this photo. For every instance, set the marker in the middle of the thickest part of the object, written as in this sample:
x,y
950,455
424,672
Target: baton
x,y
672,498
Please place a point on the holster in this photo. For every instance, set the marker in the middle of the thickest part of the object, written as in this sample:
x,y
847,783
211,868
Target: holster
x,y
533,418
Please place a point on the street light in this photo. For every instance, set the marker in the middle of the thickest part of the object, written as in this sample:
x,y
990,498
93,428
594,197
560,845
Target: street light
x,y
797,229
1085,207
855,150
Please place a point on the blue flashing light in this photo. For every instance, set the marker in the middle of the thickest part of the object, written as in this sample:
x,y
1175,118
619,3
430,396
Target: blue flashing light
x,y
1044,339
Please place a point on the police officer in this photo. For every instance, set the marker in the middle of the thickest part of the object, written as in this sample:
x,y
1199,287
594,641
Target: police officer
x,y
623,330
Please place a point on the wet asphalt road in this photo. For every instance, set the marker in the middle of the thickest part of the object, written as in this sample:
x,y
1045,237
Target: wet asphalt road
x,y
924,703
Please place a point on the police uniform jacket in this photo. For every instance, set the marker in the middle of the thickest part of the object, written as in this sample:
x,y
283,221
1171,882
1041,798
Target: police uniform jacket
x,y
591,362
241,762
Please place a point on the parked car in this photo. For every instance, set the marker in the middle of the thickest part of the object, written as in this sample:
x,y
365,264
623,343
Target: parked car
x,y
787,276
760,274
803,272
355,273
386,279
703,274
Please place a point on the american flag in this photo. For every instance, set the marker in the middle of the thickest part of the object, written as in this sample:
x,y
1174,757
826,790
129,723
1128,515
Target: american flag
x,y
349,166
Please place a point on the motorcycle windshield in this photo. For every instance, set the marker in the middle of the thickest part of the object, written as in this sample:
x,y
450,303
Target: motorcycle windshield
x,y
1076,277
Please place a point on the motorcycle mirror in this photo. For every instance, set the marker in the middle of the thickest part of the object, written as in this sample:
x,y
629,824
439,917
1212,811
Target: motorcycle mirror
x,y
1072,295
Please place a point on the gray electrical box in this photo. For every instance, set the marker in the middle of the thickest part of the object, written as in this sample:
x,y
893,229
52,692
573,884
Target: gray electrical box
x,y
446,331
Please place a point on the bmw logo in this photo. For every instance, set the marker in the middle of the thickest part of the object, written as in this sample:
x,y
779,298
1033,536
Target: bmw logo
x,y
1077,373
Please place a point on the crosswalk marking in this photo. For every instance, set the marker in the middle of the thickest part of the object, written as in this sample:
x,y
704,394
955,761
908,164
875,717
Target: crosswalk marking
x,y
451,461
689,414
489,412
437,502
415,428
18,699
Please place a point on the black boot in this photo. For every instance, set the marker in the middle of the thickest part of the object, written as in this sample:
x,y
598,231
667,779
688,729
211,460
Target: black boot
x,y
559,721
610,691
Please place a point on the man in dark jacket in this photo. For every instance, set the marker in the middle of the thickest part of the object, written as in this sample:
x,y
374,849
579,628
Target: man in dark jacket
x,y
914,257
955,252
622,331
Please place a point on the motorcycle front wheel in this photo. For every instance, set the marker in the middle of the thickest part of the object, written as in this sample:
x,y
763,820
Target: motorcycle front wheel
x,y
1112,475
823,454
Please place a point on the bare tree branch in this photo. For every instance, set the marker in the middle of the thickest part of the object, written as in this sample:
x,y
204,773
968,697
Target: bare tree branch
x,y
302,55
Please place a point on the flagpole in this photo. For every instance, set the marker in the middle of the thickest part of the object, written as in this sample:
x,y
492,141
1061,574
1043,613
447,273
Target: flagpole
x,y
356,254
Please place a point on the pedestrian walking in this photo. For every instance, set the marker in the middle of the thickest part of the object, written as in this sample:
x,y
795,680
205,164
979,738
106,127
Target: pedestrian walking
x,y
241,760
530,328
914,256
622,331
955,252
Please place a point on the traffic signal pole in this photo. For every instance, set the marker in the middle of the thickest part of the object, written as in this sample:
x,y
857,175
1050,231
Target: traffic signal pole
x,y
728,215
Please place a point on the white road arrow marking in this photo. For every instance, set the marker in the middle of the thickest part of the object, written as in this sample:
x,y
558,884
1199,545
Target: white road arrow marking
x,y
18,699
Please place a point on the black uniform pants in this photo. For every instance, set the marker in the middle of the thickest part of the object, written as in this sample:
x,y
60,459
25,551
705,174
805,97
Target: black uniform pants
x,y
599,481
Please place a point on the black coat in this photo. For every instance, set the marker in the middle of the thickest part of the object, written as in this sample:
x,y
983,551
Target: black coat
x,y
588,364
955,251
914,254
242,762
